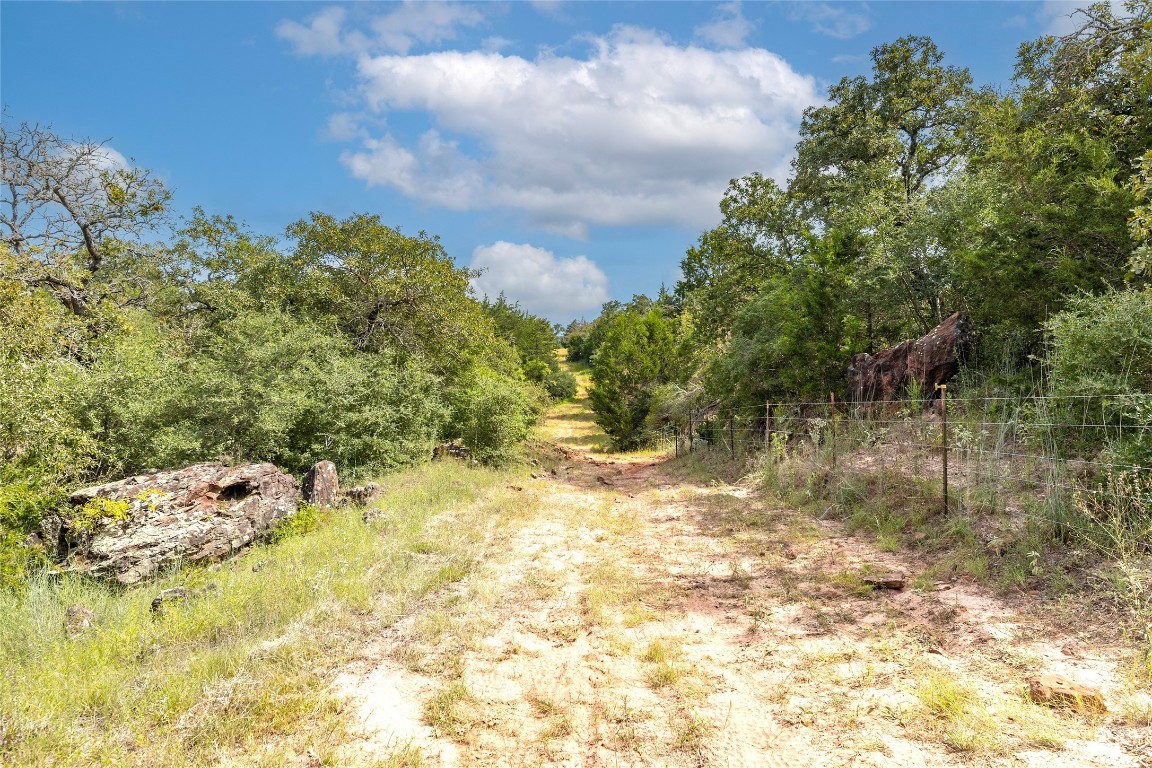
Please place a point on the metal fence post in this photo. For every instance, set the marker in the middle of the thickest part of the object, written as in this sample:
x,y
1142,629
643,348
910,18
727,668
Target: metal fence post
x,y
944,422
832,420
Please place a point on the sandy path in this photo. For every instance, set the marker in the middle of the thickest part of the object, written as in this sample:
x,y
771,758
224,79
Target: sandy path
x,y
641,619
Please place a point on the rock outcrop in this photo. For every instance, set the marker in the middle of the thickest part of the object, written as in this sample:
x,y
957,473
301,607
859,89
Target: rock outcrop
x,y
930,360
321,485
130,529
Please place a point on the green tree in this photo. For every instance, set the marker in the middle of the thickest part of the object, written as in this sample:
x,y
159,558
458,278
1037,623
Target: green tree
x,y
761,234
866,162
389,291
635,357
536,343
794,340
74,219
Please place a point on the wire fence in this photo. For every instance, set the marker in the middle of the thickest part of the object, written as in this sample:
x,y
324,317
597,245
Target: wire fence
x,y
1083,461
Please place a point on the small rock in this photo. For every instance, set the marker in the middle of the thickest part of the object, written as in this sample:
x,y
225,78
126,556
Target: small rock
x,y
321,485
451,449
77,619
373,513
997,546
886,581
362,494
178,595
1059,691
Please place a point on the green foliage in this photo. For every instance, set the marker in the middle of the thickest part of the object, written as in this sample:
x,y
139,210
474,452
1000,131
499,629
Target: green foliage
x,y
535,342
1100,358
493,415
792,341
636,356
304,520
97,513
22,506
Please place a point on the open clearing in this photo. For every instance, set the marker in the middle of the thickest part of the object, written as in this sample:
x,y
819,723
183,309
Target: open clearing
x,y
637,614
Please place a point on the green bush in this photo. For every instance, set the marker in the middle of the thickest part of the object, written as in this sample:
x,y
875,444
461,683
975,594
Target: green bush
x,y
493,416
1100,372
634,359
22,506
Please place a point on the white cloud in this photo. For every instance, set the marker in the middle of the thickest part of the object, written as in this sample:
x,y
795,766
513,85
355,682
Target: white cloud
x,y
728,29
411,23
105,158
540,282
322,36
343,126
640,131
423,22
833,20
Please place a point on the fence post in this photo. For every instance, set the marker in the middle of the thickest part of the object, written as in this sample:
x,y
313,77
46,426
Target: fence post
x,y
732,432
691,432
676,438
944,421
832,420
767,425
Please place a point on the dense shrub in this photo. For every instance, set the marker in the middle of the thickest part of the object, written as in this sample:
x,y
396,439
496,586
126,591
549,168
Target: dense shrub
x,y
1100,370
493,416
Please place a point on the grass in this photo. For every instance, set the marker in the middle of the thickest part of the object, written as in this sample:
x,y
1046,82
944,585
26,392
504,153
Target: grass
x,y
244,666
956,715
450,712
616,594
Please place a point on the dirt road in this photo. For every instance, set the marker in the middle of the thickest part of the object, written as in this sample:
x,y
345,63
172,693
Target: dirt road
x,y
641,614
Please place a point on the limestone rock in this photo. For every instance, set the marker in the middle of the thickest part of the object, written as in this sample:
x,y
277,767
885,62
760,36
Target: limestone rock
x,y
1059,691
322,485
198,513
371,514
930,360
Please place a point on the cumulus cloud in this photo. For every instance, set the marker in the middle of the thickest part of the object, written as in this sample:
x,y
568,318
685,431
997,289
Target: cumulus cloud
x,y
833,20
640,131
540,282
324,33
729,28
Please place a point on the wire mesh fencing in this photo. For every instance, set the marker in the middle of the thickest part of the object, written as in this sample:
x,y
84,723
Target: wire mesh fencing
x,y
1080,461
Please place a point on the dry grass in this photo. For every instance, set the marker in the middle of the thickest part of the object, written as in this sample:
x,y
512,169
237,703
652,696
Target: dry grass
x,y
243,669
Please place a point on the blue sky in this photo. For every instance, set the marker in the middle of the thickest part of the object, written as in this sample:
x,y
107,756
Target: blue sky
x,y
574,150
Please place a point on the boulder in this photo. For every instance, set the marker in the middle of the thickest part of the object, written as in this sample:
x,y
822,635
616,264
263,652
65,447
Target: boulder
x,y
130,529
930,360
321,485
